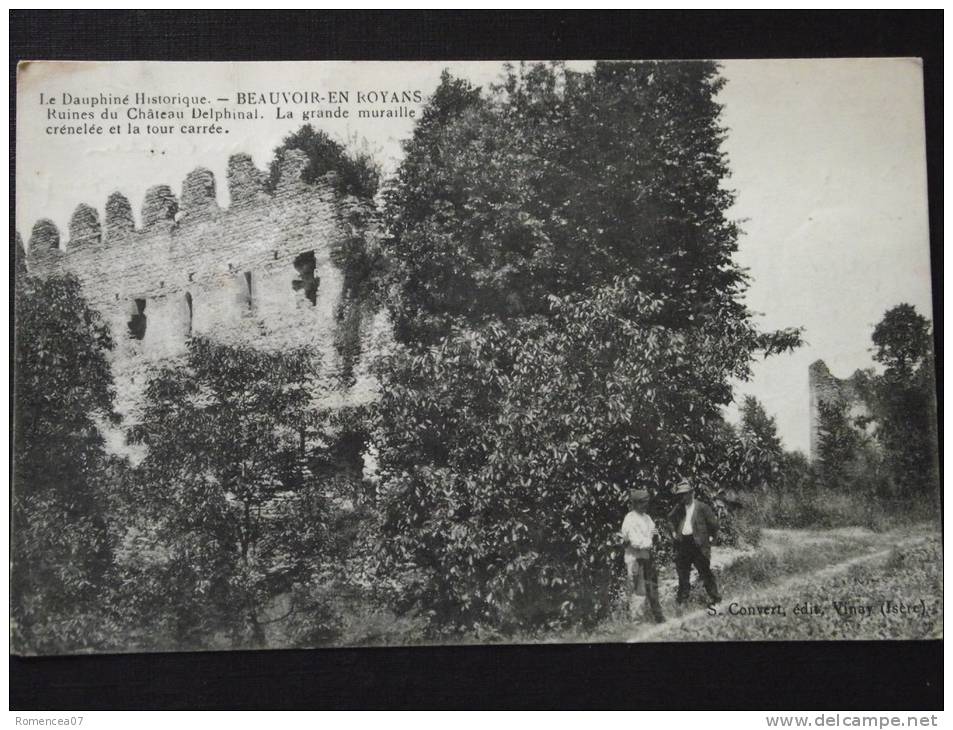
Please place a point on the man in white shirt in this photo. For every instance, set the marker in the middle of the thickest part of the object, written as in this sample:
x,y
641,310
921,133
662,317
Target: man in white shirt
x,y
638,531
689,515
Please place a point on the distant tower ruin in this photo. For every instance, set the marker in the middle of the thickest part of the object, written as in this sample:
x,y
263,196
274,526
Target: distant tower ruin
x,y
825,388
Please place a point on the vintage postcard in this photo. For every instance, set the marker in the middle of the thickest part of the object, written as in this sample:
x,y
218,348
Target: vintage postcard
x,y
393,353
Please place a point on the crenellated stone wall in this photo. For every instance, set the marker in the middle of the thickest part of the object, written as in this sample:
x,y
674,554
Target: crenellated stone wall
x,y
260,272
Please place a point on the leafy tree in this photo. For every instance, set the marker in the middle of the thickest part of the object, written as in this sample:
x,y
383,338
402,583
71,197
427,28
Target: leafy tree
x,y
506,453
903,400
757,427
357,173
363,262
902,341
561,180
231,521
796,473
569,323
839,443
62,549
763,451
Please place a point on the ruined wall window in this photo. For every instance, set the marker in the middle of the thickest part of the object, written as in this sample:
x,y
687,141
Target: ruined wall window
x,y
306,283
188,314
137,319
245,293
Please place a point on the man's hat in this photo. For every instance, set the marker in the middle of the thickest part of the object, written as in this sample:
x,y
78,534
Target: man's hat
x,y
683,487
638,495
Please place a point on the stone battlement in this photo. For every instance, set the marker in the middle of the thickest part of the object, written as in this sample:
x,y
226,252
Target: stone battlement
x,y
264,271
190,238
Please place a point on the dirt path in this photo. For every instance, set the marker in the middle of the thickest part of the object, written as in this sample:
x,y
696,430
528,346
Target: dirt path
x,y
777,541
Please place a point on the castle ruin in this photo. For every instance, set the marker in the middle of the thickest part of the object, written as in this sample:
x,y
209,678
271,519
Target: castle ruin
x,y
825,388
261,272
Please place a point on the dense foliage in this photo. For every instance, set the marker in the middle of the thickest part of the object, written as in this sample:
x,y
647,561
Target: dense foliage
x,y
356,172
230,519
888,449
747,457
876,460
557,262
759,432
558,181
62,545
569,321
903,400
841,443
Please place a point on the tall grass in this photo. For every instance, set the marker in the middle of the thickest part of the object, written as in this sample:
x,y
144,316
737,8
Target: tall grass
x,y
823,508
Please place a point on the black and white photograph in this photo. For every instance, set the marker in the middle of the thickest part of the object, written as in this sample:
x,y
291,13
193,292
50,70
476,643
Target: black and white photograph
x,y
425,353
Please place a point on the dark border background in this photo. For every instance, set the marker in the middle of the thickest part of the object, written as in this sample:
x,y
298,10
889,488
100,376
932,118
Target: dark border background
x,y
782,675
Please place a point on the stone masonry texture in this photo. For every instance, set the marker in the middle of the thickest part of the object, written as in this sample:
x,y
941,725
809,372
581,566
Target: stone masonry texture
x,y
233,274
825,388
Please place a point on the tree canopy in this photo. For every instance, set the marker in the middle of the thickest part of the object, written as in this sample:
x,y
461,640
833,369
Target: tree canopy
x,y
903,400
570,323
902,341
62,548
229,516
357,173
555,181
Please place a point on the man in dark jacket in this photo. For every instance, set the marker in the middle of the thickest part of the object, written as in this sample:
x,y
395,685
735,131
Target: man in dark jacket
x,y
694,526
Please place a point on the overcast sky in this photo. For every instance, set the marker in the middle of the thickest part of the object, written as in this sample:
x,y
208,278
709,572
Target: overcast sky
x,y
828,163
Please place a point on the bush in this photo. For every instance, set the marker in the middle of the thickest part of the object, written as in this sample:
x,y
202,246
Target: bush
x,y
357,173
827,508
758,569
745,525
231,518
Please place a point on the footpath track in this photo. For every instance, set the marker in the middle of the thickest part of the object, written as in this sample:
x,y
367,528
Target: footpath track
x,y
669,630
